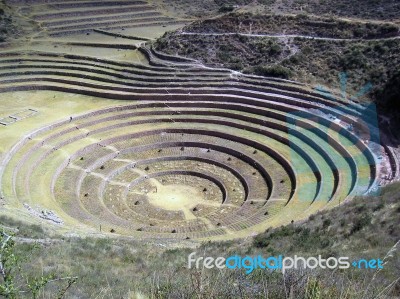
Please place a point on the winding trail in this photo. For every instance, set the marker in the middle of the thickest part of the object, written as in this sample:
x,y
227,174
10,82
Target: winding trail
x,y
287,36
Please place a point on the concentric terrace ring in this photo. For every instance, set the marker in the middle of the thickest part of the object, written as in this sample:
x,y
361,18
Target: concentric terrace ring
x,y
199,153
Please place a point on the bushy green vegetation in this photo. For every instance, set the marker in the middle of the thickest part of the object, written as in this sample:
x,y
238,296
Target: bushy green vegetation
x,y
300,24
235,52
232,2
368,9
226,8
277,71
361,9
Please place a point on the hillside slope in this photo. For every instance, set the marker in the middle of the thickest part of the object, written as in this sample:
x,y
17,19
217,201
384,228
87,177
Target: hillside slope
x,y
308,49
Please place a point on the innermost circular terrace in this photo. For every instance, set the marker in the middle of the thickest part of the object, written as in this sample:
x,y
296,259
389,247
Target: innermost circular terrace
x,y
172,171
177,198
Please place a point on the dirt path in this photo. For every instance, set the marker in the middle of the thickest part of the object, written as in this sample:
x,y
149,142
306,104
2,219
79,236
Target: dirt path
x,y
289,36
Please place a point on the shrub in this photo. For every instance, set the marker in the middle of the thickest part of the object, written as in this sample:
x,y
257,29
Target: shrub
x,y
237,66
326,223
274,71
275,49
313,289
260,241
226,8
354,59
223,56
379,206
360,223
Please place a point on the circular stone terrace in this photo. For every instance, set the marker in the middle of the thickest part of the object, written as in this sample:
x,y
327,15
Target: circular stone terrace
x,y
195,153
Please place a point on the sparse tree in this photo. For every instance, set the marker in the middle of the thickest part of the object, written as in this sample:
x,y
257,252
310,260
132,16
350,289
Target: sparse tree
x,y
13,282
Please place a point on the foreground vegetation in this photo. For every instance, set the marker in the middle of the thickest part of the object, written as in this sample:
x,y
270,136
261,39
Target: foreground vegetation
x,y
366,227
